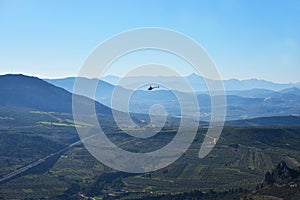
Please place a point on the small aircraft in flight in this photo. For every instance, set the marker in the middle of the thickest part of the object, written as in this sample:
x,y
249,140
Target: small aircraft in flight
x,y
152,87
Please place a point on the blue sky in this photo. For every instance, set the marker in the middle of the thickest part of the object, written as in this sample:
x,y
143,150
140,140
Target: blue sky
x,y
246,39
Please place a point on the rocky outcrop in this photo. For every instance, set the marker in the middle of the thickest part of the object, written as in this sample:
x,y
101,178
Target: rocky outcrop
x,y
280,176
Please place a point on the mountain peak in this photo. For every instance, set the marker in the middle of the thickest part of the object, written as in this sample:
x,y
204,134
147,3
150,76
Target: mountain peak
x,y
17,76
20,81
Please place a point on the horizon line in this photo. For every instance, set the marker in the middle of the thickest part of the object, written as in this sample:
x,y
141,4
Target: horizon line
x,y
118,76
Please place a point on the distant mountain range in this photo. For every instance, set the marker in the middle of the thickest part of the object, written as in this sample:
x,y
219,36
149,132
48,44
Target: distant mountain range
x,y
24,92
245,88
198,83
257,100
34,93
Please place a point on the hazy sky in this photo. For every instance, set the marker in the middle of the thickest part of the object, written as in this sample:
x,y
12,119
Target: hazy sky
x,y
246,39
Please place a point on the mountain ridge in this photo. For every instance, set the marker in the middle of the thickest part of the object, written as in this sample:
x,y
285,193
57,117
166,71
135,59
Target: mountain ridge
x,y
31,92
